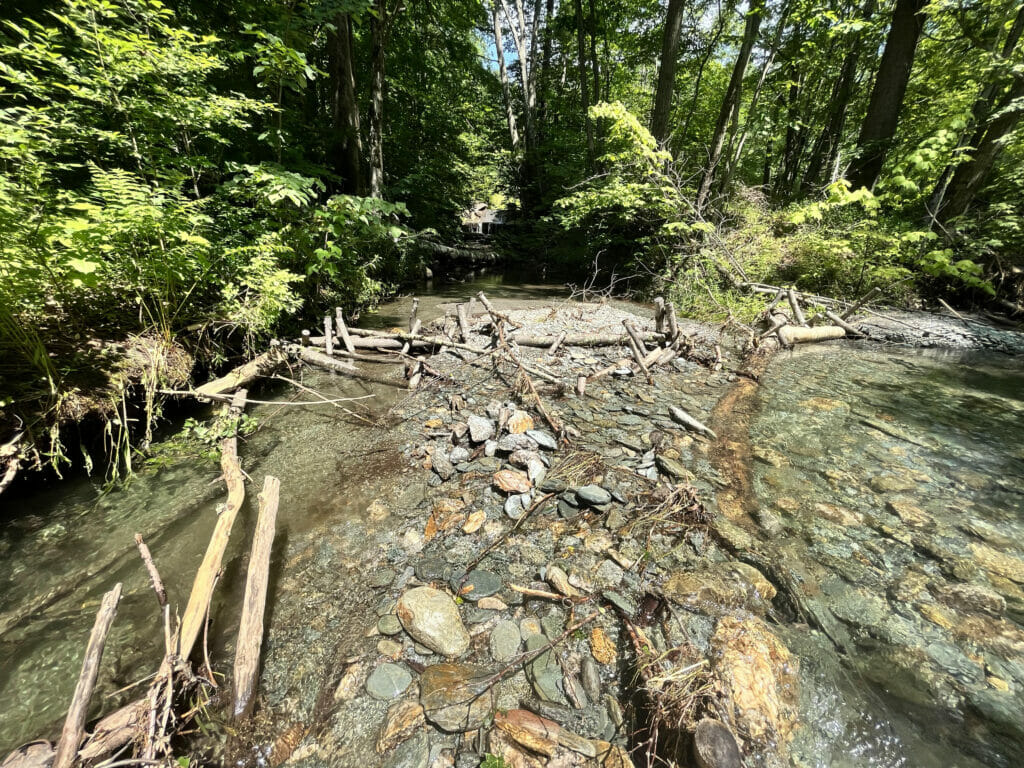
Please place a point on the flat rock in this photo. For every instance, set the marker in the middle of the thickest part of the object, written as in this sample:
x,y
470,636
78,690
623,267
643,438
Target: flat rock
x,y
455,697
389,625
671,467
543,438
504,641
594,495
414,753
544,672
480,429
480,584
432,618
388,681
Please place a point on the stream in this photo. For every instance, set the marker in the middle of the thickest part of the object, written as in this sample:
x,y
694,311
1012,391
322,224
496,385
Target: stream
x,y
891,476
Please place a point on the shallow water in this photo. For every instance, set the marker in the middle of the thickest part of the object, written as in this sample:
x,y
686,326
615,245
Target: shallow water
x,y
852,427
897,476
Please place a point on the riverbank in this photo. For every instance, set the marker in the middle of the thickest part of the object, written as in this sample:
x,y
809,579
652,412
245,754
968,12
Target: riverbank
x,y
383,519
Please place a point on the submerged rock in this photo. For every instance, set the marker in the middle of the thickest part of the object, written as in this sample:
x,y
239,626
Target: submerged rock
x,y
455,697
759,679
388,681
432,618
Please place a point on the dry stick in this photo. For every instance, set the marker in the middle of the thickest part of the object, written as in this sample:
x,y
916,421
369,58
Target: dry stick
x,y
416,375
557,343
306,339
554,423
525,658
659,314
279,403
792,334
325,400
202,588
837,320
581,385
414,329
778,320
250,628
494,313
673,325
460,314
154,575
638,356
860,302
634,335
321,360
342,331
779,296
795,306
328,336
74,724
412,315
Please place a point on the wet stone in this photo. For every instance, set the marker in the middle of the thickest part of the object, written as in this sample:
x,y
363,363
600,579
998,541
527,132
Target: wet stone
x,y
412,753
382,577
388,681
432,618
590,676
621,602
594,495
481,584
389,625
504,640
455,697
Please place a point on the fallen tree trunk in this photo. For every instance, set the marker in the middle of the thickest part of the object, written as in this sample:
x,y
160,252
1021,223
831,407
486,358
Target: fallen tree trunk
x,y
74,725
202,590
250,627
793,334
313,357
587,340
243,375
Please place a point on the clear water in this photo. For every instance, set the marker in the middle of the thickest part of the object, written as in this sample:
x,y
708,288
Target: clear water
x,y
862,431
953,436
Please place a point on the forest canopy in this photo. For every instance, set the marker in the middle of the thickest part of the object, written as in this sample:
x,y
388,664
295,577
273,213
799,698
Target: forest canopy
x,y
195,174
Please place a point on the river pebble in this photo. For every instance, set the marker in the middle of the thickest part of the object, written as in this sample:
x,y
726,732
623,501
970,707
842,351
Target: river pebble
x,y
388,681
432,619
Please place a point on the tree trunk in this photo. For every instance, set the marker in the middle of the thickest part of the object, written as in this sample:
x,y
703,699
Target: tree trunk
x,y
345,108
378,42
890,87
826,148
499,43
970,175
720,25
667,71
581,45
730,104
736,142
952,196
519,37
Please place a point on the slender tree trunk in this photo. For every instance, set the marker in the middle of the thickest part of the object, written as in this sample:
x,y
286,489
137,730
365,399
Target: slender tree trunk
x,y
345,108
594,65
730,104
518,27
499,46
970,175
581,45
960,196
712,45
890,87
826,148
378,37
667,71
736,142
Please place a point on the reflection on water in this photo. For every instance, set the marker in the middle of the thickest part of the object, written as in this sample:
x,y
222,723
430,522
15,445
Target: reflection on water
x,y
896,478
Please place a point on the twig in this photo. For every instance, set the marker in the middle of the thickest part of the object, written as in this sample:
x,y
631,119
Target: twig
x,y
154,575
490,548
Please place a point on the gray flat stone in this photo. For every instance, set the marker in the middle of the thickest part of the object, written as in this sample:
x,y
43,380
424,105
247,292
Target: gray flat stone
x,y
593,494
481,584
412,753
389,625
543,438
480,428
504,641
388,681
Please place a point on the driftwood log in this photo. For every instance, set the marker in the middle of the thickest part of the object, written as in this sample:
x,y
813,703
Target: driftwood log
x,y
206,578
793,334
74,725
244,375
250,627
